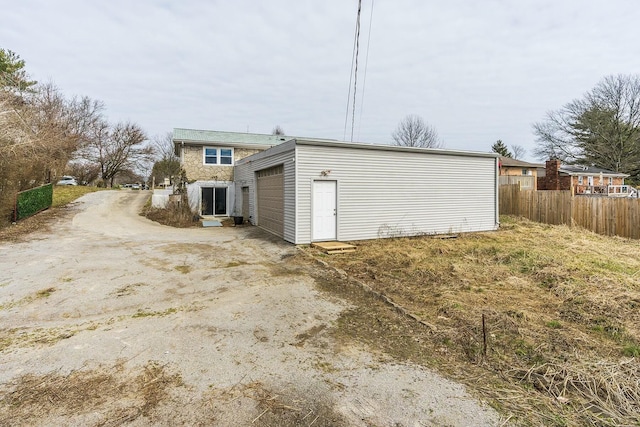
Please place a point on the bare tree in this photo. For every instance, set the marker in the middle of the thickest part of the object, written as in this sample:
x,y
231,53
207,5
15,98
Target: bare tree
x,y
277,130
167,164
412,131
602,128
518,151
40,133
117,148
62,126
31,141
164,147
84,171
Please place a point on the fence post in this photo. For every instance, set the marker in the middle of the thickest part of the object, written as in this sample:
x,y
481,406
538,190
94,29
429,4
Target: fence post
x,y
571,206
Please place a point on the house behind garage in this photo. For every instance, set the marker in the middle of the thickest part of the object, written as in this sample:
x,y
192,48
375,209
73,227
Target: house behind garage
x,y
306,190
208,158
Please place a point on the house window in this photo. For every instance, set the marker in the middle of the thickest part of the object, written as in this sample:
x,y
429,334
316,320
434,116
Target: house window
x,y
610,181
218,156
580,180
226,156
526,172
590,181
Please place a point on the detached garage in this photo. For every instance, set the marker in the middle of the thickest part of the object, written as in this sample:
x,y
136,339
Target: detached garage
x,y
308,191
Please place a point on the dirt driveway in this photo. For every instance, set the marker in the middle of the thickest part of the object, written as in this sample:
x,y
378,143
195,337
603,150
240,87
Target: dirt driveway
x,y
111,319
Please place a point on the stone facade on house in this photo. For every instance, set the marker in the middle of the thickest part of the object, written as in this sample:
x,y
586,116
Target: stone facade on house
x,y
197,170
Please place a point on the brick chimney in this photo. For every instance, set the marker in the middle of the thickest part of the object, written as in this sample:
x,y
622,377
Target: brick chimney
x,y
552,167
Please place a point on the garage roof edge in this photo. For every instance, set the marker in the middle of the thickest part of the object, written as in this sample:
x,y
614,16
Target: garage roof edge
x,y
384,147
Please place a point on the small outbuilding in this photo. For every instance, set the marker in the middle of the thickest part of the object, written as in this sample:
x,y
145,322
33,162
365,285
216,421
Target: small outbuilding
x,y
317,190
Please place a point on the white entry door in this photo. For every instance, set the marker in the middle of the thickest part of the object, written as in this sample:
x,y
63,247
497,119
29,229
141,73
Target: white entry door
x,y
324,210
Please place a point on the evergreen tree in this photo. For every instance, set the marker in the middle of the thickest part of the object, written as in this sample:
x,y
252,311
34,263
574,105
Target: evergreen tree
x,y
500,148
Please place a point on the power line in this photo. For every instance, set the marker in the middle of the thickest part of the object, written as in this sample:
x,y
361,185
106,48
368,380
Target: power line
x,y
353,56
355,74
366,63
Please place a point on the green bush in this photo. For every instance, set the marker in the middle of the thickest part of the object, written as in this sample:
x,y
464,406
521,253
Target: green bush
x,y
32,201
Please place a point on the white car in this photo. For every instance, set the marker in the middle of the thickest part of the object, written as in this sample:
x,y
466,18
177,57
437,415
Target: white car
x,y
67,180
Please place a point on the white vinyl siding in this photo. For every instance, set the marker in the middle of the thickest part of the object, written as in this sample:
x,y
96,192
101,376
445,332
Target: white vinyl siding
x,y
396,193
245,177
381,191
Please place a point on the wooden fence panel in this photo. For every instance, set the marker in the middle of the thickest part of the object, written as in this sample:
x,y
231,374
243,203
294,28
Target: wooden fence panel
x,y
525,182
508,199
610,216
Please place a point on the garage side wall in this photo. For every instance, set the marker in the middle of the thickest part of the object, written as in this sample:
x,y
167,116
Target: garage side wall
x,y
393,193
245,173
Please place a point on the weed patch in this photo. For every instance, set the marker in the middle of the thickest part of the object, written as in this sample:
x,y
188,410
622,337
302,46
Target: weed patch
x,y
183,268
43,293
284,408
115,395
27,338
176,214
560,309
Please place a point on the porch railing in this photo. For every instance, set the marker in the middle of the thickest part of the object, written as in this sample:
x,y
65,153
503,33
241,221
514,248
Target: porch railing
x,y
607,190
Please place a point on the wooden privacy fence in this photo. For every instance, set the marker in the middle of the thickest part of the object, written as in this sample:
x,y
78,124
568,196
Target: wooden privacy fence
x,y
603,215
525,182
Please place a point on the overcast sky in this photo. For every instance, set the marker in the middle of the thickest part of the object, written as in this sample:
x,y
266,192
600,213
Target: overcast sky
x,y
477,71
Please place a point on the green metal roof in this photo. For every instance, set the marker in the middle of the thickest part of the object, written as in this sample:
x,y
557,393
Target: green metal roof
x,y
205,136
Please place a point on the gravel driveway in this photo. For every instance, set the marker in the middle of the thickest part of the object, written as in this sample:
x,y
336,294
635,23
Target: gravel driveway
x,y
111,319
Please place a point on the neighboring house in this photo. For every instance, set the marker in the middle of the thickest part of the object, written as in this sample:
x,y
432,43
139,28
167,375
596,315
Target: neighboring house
x,y
318,190
208,158
513,171
586,180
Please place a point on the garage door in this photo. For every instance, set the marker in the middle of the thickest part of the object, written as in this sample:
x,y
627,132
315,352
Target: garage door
x,y
271,199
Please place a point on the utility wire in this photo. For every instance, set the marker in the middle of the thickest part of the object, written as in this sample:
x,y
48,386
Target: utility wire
x,y
366,63
353,56
355,74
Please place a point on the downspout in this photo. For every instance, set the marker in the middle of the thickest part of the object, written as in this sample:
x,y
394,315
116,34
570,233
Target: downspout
x,y
295,194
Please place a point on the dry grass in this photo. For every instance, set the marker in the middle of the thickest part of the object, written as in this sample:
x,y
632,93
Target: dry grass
x,y
110,392
39,222
560,307
175,215
65,194
289,408
43,293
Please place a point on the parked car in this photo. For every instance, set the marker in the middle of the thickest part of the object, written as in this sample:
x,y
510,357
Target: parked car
x,y
67,180
135,186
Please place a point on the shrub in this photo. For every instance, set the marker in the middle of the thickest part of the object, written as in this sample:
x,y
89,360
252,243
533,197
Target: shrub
x,y
32,201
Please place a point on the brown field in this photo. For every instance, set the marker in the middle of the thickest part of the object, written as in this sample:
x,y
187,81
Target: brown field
x,y
561,307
